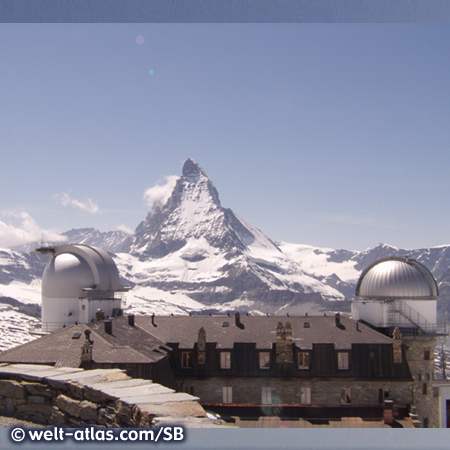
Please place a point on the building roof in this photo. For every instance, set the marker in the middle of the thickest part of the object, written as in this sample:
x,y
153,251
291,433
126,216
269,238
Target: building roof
x,y
260,330
397,277
126,344
147,341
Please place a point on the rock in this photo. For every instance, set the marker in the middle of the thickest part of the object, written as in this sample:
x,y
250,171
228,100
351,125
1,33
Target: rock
x,y
38,389
80,409
44,410
75,390
36,399
58,417
11,389
88,411
124,411
97,396
68,405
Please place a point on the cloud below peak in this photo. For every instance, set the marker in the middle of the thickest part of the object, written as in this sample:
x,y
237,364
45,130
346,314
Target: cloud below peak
x,y
161,192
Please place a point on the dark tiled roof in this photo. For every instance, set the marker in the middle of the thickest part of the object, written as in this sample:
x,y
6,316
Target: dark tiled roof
x,y
126,344
261,330
144,343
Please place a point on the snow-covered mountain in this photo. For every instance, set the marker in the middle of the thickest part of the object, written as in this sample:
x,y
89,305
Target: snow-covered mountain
x,y
192,255
193,245
111,241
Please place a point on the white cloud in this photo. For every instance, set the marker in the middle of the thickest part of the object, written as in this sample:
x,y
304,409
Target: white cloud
x,y
28,231
125,229
88,206
161,192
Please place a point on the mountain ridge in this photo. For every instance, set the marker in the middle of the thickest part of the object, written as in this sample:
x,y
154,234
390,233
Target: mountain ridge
x,y
192,255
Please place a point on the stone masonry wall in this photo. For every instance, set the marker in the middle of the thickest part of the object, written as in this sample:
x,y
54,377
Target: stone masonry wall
x,y
66,403
420,355
323,392
76,397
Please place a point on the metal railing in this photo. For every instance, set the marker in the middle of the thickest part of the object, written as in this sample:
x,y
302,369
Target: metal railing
x,y
411,322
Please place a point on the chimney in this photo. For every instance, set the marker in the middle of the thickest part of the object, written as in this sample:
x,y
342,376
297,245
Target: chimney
x,y
108,326
87,334
337,318
201,346
131,320
153,320
397,345
284,349
99,315
238,322
86,351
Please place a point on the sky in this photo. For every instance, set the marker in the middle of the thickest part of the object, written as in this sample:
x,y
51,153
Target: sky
x,y
331,135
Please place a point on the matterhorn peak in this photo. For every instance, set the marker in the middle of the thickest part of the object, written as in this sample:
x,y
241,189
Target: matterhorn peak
x,y
192,170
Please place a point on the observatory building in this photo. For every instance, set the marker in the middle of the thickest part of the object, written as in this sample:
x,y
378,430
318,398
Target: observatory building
x,y
398,297
397,292
78,281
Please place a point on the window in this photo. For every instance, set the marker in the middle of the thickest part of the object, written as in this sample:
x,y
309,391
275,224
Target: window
x,y
186,360
264,360
343,360
303,360
305,395
266,395
189,389
426,355
346,396
227,394
424,389
225,360
383,394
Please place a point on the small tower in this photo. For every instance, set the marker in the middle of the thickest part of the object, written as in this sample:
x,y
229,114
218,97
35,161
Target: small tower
x,y
78,280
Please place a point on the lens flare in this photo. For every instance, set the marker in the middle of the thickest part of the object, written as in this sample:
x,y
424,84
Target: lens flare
x,y
140,39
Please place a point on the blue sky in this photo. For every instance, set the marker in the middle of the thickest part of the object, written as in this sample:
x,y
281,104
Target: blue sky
x,y
331,135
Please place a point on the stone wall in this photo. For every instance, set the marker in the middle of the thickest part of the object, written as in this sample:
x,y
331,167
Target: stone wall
x,y
323,392
420,356
101,397
66,403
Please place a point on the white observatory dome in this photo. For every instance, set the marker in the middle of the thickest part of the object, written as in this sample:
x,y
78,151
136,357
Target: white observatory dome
x,y
77,269
397,278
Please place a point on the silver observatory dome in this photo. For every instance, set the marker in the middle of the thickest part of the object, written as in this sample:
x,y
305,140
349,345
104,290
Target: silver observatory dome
x,y
397,277
75,270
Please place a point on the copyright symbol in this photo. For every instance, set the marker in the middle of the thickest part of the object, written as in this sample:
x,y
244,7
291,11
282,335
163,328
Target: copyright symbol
x,y
17,435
